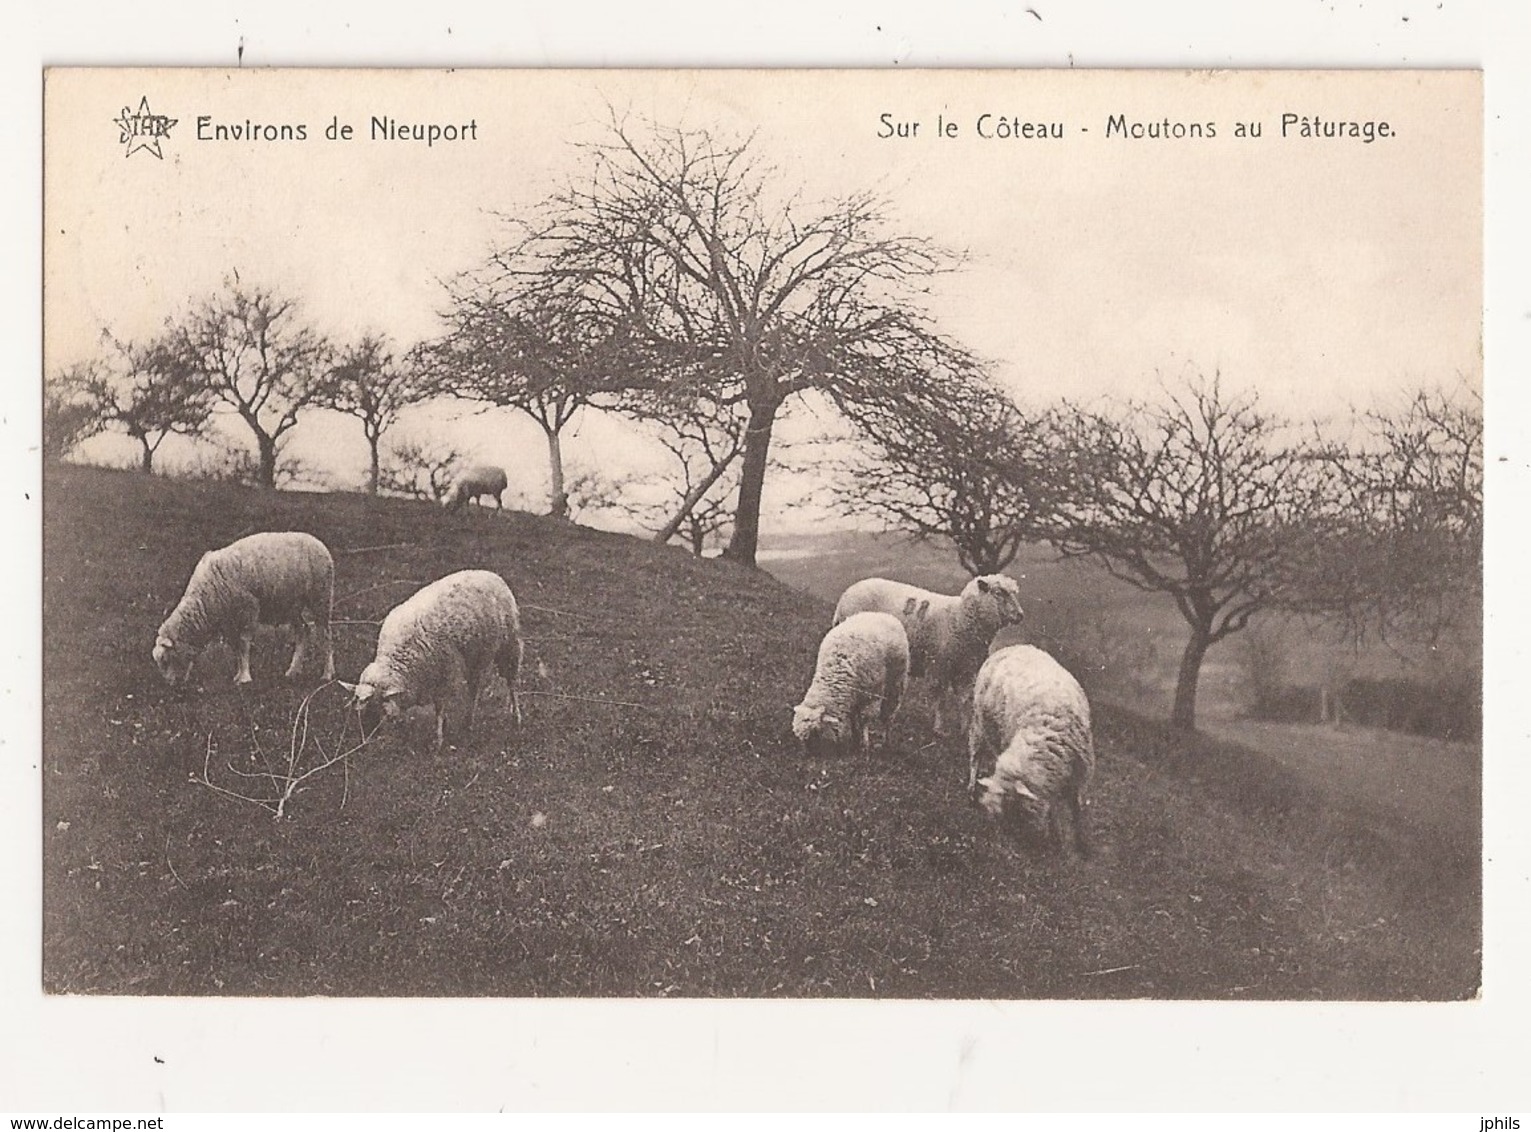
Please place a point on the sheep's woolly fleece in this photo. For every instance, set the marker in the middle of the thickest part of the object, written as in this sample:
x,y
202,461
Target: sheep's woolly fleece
x,y
472,482
949,634
863,663
1033,718
461,624
270,578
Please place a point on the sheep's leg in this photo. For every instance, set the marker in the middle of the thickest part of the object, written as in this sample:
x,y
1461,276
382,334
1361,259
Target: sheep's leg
x,y
448,697
949,708
299,650
1080,806
509,663
499,502
304,632
475,679
860,733
1055,829
1081,825
244,634
965,706
895,679
960,698
243,648
977,744
321,630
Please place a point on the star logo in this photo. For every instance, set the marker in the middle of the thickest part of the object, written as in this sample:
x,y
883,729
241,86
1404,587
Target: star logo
x,y
143,129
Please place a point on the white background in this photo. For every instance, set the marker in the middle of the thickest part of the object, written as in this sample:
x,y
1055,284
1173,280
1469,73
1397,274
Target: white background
x,y
113,1055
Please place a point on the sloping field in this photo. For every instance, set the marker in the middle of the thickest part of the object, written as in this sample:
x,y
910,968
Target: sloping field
x,y
651,830
1077,611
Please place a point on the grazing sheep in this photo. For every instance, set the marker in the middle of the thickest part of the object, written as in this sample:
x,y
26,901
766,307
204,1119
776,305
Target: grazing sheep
x,y
480,479
949,635
448,633
862,667
272,578
1031,718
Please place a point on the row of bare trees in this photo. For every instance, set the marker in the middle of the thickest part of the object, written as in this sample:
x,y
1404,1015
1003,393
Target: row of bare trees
x,y
244,351
1204,496
671,281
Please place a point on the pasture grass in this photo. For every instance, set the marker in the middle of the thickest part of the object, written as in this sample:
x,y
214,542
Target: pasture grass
x,y
665,841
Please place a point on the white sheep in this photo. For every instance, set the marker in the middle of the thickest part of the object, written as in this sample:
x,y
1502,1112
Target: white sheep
x,y
446,634
861,671
949,634
472,482
271,578
1031,720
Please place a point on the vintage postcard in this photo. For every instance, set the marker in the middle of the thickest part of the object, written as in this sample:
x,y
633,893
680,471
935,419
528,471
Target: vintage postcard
x,y
723,534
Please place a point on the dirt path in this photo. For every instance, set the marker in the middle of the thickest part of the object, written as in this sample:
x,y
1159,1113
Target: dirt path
x,y
1425,781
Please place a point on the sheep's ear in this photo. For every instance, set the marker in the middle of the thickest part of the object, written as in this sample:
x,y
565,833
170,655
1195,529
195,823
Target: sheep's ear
x,y
1022,791
986,783
983,585
348,687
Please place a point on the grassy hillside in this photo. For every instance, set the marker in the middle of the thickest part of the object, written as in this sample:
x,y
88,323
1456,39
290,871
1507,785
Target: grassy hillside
x,y
667,840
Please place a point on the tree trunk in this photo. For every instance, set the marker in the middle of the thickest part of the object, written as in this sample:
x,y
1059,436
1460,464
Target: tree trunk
x,y
266,474
757,449
558,498
146,464
1183,714
373,441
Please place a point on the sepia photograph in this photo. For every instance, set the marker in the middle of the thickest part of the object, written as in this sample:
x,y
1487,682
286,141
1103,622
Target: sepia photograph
x,y
930,535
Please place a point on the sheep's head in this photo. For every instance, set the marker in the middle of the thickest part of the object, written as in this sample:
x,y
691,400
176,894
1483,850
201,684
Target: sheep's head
x,y
817,730
1019,810
1005,594
173,659
375,696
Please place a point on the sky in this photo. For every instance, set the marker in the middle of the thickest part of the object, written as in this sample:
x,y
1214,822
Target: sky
x,y
1323,272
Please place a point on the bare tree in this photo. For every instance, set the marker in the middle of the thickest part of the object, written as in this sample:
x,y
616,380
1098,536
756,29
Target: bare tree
x,y
1402,552
150,392
591,491
70,414
959,462
722,284
1204,497
706,519
671,507
544,353
705,437
419,469
369,383
222,460
258,359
